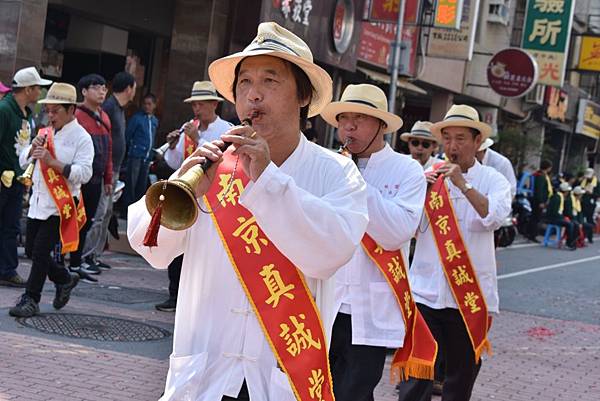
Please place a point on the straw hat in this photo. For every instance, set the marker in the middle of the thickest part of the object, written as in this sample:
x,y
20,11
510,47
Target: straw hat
x,y
273,40
60,93
486,144
564,187
421,130
203,90
461,115
366,99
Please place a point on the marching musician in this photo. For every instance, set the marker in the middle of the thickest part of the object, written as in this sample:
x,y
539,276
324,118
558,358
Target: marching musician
x,y
453,273
206,126
369,313
283,215
63,155
422,145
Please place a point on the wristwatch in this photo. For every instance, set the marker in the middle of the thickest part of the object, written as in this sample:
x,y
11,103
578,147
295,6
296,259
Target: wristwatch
x,y
466,188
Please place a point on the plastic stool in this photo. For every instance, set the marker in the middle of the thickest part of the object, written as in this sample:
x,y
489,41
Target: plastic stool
x,y
553,230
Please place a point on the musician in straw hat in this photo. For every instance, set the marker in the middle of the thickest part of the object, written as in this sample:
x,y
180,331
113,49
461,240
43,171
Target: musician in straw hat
x,y
368,291
453,272
422,145
206,126
63,155
256,299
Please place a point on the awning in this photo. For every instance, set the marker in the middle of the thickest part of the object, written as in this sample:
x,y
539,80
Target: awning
x,y
385,79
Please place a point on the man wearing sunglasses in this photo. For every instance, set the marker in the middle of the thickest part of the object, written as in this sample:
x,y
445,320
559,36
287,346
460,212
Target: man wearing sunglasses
x,y
421,144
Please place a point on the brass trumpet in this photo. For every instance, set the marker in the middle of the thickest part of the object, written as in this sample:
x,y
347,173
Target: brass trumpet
x,y
343,150
26,177
177,197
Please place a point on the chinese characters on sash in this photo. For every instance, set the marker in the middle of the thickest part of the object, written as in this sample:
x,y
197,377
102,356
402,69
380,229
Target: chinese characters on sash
x,y
275,287
189,146
416,358
457,266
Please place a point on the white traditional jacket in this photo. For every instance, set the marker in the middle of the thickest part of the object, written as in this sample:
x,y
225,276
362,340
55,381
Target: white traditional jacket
x,y
314,209
427,279
396,186
174,157
503,166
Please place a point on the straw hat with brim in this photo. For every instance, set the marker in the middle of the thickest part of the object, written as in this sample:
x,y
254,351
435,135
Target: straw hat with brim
x,y
486,144
203,90
60,93
461,115
273,40
420,130
365,99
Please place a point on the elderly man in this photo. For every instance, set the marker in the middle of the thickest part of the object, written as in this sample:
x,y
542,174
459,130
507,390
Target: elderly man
x,y
453,272
489,157
285,215
63,157
421,144
396,186
15,134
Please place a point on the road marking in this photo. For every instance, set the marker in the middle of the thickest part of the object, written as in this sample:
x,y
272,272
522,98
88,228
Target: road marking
x,y
549,267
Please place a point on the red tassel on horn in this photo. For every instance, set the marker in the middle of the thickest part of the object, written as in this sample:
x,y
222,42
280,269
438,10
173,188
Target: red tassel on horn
x,y
151,237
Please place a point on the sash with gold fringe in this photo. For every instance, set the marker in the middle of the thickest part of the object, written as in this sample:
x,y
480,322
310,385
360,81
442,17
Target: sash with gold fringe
x,y
72,218
458,268
416,358
275,287
189,146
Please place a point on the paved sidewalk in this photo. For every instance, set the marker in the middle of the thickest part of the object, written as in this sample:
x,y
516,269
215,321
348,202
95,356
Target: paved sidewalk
x,y
534,358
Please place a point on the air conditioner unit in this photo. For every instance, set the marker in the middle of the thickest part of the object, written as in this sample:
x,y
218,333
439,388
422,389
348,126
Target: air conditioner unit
x,y
499,11
536,96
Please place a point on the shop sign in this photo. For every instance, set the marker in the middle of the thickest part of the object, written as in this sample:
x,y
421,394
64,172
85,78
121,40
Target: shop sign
x,y
557,103
588,119
387,11
448,14
375,45
343,25
295,10
546,34
512,73
456,44
589,56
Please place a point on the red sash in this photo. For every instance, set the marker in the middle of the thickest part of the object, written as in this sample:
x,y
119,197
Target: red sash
x,y
416,358
458,268
189,146
72,218
275,287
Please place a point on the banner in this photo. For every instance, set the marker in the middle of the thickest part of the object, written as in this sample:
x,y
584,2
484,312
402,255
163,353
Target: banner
x,y
387,11
546,35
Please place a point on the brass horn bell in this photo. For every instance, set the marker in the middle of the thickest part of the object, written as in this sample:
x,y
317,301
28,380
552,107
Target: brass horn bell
x,y
25,178
179,205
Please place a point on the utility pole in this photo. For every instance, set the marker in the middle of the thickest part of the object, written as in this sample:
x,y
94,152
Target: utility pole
x,y
395,67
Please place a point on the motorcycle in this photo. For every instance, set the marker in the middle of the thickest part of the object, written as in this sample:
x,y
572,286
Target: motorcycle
x,y
505,235
522,213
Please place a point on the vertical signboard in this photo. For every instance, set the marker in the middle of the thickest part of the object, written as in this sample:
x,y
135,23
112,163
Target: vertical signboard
x,y
448,14
546,34
456,44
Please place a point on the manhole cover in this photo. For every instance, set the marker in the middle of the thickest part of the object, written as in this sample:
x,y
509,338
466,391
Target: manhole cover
x,y
91,327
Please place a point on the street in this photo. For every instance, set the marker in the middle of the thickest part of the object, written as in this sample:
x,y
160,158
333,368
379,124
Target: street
x,y
546,341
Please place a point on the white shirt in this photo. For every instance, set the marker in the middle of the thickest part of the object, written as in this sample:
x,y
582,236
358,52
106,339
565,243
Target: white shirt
x,y
73,145
430,162
174,157
427,279
314,209
503,165
396,186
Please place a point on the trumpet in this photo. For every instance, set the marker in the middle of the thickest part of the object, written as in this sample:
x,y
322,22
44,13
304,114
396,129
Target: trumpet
x,y
163,149
177,197
343,150
26,177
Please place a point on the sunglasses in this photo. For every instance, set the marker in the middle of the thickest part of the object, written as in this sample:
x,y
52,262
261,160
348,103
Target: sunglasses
x,y
416,142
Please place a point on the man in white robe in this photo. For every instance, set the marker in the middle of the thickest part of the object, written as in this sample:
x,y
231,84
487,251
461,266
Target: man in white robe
x,y
311,203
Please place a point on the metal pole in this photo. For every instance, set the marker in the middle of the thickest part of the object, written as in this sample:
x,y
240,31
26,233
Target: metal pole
x,y
395,62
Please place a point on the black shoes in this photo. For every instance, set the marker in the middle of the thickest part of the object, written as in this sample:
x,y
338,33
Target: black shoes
x,y
13,281
63,291
26,307
83,275
168,306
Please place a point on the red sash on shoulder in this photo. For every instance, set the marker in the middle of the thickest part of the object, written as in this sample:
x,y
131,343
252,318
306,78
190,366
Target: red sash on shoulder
x,y
458,268
416,358
189,146
275,287
72,218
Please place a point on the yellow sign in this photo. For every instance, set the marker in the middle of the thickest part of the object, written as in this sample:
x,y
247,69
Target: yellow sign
x,y
589,56
448,14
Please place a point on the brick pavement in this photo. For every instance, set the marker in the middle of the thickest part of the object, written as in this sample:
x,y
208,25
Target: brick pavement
x,y
535,359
